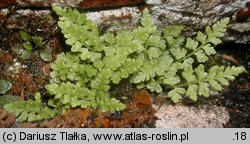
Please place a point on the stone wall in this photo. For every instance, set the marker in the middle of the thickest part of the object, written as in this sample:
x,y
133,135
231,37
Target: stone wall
x,y
116,14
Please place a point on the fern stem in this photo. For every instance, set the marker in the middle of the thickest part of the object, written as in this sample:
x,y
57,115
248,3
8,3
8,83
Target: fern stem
x,y
184,84
192,53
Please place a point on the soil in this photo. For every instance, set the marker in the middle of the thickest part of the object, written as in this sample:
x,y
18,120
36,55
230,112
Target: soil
x,y
6,119
237,96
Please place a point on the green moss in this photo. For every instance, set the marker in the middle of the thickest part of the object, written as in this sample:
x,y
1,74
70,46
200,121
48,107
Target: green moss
x,y
4,86
31,43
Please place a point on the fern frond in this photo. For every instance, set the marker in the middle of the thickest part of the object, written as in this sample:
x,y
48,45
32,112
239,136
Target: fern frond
x,y
201,47
77,28
31,110
147,57
199,82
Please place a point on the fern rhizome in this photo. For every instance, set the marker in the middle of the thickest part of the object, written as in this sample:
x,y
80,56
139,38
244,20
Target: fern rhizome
x,y
160,61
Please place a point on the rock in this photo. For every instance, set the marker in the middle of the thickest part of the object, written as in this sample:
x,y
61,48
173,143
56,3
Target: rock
x,y
181,116
84,4
241,33
241,27
154,2
5,3
196,15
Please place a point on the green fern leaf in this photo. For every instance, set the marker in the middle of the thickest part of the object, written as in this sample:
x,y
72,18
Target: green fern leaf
x,y
156,41
200,72
154,86
215,41
31,110
178,53
217,31
187,62
174,31
188,74
146,20
220,76
201,37
219,28
192,92
191,44
176,94
154,53
109,38
201,56
215,85
209,50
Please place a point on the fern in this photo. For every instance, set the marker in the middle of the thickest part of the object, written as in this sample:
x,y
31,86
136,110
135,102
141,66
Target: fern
x,y
82,76
160,61
149,58
200,82
31,110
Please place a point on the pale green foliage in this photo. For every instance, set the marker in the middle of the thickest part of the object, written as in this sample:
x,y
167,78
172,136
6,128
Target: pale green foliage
x,y
200,82
31,110
151,59
147,57
82,77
